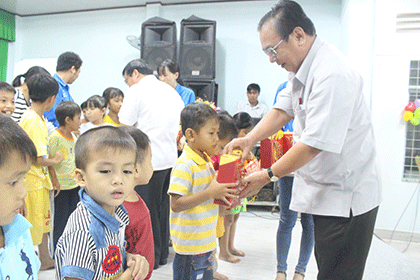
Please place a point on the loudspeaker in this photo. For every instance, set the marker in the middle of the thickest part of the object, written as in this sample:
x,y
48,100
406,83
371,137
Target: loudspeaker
x,y
158,41
206,90
197,48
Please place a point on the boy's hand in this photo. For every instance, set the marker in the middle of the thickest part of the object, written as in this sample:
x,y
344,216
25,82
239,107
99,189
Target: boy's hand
x,y
56,186
58,157
138,265
222,190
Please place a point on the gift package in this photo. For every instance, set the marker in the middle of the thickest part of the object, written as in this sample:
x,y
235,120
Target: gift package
x,y
274,147
231,170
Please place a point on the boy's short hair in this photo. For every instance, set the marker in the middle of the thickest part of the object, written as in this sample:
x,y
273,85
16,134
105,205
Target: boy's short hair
x,y
67,60
195,115
141,139
99,138
110,93
14,138
227,127
41,87
66,109
6,87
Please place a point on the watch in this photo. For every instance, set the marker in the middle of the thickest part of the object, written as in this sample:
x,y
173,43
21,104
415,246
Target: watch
x,y
273,178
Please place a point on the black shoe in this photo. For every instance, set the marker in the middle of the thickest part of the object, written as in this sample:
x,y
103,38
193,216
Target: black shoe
x,y
156,266
163,262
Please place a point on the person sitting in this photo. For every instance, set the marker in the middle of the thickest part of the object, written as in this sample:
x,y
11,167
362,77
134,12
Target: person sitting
x,y
252,106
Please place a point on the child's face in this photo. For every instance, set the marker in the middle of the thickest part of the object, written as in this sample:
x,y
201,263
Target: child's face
x,y
221,145
74,124
144,169
109,176
50,102
244,131
206,139
115,104
84,114
7,102
12,191
95,114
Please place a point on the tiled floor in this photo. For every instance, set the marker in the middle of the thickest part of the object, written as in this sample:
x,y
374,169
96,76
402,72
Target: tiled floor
x,y
256,236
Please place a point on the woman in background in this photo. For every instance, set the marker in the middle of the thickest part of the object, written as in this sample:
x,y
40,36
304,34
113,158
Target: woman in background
x,y
169,73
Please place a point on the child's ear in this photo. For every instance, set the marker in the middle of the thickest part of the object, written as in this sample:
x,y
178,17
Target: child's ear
x,y
79,177
67,120
189,134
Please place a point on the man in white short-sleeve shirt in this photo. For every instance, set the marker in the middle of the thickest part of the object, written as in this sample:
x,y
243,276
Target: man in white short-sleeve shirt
x,y
334,155
252,106
155,108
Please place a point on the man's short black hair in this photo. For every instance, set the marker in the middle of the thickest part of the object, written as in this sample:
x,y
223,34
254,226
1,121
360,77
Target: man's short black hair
x,y
67,60
137,64
66,109
141,139
195,115
6,87
110,93
14,139
41,87
253,86
288,15
97,139
227,127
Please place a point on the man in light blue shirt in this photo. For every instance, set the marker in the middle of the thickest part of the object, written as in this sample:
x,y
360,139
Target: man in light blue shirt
x,y
68,69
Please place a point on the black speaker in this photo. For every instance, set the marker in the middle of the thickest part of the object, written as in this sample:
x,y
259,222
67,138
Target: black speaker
x,y
158,41
206,90
197,48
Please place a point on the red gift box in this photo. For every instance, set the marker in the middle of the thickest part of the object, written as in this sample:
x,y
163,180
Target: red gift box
x,y
231,169
274,147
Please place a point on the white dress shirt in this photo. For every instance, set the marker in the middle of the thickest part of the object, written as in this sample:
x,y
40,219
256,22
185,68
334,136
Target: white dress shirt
x,y
155,108
258,111
325,98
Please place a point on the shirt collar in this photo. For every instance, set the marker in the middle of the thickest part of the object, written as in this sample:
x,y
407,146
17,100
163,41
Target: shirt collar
x,y
196,157
100,213
60,81
256,106
14,230
302,73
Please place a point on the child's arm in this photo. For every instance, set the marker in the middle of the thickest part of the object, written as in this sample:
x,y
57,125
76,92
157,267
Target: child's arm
x,y
214,191
58,157
54,180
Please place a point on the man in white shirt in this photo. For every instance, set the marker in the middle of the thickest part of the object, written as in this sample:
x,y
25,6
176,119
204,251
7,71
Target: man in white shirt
x,y
334,156
252,106
155,108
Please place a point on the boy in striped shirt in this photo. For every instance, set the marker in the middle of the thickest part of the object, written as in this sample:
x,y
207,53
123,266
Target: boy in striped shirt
x,y
193,188
92,245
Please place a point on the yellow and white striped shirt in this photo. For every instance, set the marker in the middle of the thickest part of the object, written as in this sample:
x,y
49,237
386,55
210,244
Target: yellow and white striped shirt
x,y
193,231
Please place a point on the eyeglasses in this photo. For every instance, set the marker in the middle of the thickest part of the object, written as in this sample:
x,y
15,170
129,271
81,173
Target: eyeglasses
x,y
271,51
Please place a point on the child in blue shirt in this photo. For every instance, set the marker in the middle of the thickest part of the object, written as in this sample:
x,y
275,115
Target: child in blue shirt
x,y
17,154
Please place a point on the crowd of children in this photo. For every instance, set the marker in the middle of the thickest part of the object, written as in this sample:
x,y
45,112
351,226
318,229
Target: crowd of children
x,y
78,182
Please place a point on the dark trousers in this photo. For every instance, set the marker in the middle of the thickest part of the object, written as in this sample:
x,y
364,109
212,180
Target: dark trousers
x,y
64,204
342,245
155,195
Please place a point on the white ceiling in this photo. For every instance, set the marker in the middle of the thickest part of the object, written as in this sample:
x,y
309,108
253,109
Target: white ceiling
x,y
39,7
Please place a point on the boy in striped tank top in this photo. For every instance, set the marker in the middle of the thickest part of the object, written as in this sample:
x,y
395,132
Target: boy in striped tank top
x,y
193,188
